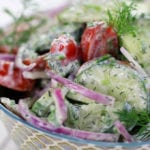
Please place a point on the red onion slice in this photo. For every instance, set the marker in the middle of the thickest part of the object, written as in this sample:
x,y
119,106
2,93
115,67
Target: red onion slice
x,y
7,57
130,59
135,65
61,108
122,130
97,97
31,118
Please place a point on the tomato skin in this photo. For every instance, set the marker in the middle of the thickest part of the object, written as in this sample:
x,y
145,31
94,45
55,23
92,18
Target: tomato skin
x,y
64,44
98,40
11,77
67,45
40,63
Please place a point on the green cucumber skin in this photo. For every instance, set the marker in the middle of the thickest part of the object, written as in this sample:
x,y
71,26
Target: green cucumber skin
x,y
78,97
42,106
120,81
108,77
89,117
140,50
139,46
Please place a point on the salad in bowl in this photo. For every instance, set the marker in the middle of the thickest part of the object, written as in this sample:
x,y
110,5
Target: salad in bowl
x,y
87,76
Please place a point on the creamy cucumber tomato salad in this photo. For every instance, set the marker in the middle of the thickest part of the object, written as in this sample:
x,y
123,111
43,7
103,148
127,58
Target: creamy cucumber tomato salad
x,y
86,78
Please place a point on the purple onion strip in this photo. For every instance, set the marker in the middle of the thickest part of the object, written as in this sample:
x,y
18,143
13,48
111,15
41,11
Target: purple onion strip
x,y
7,57
98,97
31,118
61,108
122,130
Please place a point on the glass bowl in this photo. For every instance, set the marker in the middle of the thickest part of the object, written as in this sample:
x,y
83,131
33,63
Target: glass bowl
x,y
29,137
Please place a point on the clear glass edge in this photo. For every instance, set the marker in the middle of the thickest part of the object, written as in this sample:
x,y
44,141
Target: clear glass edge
x,y
69,138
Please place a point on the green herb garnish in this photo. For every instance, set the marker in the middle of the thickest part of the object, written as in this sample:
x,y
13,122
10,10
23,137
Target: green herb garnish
x,y
144,133
133,118
121,18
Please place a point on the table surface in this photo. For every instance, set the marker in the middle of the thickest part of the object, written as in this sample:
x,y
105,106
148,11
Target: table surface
x,y
6,142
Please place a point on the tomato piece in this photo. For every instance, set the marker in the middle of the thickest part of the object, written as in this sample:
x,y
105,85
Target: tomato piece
x,y
40,62
11,77
67,45
98,40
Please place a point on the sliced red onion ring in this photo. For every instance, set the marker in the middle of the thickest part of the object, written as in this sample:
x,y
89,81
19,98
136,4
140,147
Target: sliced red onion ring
x,y
27,115
98,97
122,130
136,65
130,59
61,108
9,57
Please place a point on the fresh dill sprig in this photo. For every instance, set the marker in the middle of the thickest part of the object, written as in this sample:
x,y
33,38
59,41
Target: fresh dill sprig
x,y
137,123
121,18
144,133
134,118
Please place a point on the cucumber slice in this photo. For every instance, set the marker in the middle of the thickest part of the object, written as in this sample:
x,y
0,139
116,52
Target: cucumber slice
x,y
119,81
91,117
78,97
42,106
112,78
139,46
90,63
77,12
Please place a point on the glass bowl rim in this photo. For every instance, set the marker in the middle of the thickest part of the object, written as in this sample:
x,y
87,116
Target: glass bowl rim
x,y
70,138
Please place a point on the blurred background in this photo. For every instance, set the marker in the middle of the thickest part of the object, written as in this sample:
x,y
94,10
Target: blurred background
x,y
16,7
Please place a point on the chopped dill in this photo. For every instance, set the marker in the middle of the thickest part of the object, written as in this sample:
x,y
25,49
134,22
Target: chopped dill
x,y
134,118
121,18
137,122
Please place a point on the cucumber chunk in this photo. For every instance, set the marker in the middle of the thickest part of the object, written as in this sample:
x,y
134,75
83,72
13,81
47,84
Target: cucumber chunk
x,y
90,117
139,46
42,106
111,78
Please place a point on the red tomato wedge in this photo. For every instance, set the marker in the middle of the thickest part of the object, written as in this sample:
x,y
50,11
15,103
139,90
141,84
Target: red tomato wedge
x,y
11,77
98,40
67,45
